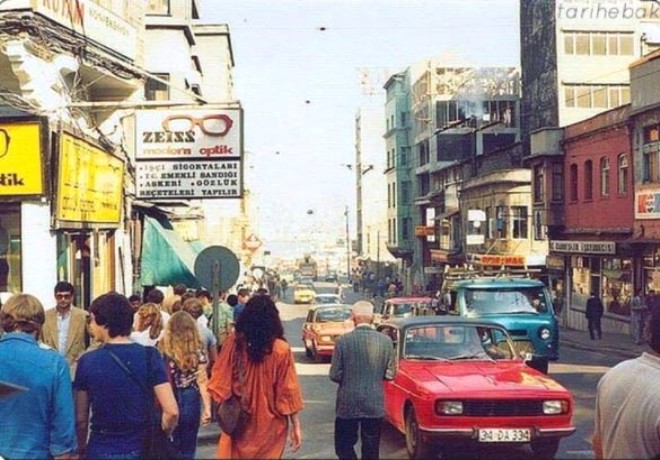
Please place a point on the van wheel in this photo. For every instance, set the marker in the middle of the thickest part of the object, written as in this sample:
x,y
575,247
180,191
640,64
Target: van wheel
x,y
416,446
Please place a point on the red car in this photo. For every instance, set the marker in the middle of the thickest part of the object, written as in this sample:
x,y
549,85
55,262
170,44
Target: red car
x,y
461,381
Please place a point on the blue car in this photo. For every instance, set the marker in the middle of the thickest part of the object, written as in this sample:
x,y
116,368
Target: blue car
x,y
522,305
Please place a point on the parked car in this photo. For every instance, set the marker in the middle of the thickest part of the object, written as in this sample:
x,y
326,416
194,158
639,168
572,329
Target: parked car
x,y
324,323
519,303
303,293
461,381
404,307
321,299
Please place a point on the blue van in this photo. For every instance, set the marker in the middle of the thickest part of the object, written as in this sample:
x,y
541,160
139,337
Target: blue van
x,y
522,305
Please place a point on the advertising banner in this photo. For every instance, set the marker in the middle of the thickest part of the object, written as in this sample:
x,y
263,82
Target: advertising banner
x,y
189,154
21,160
89,183
647,204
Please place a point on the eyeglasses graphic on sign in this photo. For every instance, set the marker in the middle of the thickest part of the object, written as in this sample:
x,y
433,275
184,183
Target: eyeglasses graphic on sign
x,y
4,142
211,125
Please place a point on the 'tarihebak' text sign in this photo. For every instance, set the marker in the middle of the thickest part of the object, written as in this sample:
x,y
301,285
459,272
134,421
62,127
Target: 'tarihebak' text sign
x,y
189,154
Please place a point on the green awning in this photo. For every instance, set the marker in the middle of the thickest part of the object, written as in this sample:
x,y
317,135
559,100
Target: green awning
x,y
166,258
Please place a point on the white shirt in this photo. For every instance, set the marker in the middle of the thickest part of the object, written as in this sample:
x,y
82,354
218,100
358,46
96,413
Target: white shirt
x,y
63,326
627,417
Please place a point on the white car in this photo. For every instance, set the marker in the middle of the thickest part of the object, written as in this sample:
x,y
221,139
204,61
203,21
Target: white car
x,y
325,299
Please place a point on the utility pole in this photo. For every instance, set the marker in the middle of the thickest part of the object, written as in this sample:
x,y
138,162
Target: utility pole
x,y
348,246
377,255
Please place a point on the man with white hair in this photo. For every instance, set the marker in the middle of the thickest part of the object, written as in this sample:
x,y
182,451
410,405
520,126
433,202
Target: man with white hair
x,y
362,359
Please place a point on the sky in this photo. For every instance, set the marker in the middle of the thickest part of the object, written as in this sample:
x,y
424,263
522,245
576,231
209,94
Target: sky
x,y
298,67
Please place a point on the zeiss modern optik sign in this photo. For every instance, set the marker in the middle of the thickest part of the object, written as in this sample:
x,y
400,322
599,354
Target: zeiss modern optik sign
x,y
189,154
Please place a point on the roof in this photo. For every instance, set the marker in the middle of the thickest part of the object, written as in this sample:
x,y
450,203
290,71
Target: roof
x,y
321,306
497,281
439,320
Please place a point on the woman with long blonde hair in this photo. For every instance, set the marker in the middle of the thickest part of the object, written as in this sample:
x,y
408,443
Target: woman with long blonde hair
x,y
148,325
186,361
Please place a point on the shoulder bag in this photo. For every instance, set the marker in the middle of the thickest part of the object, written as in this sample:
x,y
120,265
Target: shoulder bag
x,y
232,415
157,445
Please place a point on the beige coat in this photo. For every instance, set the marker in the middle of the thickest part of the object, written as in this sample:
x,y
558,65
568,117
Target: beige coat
x,y
75,345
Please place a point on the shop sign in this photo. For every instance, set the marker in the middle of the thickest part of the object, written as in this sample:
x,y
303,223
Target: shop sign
x,y
475,239
584,247
21,164
647,205
438,255
507,260
92,21
191,154
423,230
89,184
555,262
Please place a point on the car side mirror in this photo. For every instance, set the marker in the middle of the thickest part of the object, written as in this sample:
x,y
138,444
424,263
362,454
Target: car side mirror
x,y
527,356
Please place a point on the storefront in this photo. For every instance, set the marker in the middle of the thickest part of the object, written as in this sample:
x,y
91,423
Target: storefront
x,y
599,267
88,212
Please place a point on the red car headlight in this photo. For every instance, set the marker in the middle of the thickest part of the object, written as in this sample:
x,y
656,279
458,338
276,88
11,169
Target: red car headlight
x,y
555,407
448,407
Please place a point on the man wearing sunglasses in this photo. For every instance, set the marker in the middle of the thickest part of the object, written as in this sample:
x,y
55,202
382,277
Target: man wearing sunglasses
x,y
65,328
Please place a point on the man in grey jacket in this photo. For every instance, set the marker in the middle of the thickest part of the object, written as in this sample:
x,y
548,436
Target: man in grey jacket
x,y
362,359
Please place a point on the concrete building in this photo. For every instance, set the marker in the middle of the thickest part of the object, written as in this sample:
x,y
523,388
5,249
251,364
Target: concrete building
x,y
575,57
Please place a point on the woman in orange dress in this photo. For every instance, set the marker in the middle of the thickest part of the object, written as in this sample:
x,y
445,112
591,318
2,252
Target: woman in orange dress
x,y
270,389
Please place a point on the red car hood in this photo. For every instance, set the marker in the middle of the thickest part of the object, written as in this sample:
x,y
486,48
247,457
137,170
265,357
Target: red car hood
x,y
474,377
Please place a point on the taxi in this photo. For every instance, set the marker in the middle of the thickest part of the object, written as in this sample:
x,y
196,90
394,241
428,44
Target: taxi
x,y
324,323
303,293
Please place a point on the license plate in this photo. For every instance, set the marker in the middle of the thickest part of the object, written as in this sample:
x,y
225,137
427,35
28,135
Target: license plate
x,y
504,435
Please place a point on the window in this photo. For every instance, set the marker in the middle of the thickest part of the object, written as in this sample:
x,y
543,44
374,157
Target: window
x,y
405,192
405,229
604,176
584,97
538,184
569,43
622,181
574,182
598,43
557,182
582,43
394,195
519,222
569,96
600,97
588,180
158,7
155,90
650,166
596,96
10,249
500,221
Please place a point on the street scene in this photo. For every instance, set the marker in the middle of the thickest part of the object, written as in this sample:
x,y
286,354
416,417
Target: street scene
x,y
329,229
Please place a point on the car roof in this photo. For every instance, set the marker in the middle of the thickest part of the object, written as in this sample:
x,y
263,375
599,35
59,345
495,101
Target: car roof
x,y
402,323
497,282
409,299
327,295
328,305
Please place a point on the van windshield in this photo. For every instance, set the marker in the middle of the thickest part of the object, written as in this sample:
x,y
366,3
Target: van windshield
x,y
511,300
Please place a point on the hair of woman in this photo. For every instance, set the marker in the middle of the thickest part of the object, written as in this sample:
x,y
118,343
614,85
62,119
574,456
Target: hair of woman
x,y
181,341
22,312
149,317
258,326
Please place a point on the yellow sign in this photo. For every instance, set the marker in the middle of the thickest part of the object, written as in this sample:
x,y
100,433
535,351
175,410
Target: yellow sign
x,y
518,261
21,166
90,183
422,230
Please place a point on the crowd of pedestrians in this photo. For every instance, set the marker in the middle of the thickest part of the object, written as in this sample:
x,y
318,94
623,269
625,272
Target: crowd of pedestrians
x,y
89,379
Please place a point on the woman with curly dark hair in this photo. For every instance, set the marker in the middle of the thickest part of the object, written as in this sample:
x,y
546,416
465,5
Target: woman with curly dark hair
x,y
256,364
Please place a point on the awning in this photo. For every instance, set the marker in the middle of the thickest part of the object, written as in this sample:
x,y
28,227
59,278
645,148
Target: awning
x,y
166,258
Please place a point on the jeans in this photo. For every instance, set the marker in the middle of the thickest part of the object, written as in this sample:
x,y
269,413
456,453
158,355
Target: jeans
x,y
346,435
638,320
103,456
190,412
594,328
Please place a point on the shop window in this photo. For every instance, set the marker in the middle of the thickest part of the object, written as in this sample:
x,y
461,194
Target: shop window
x,y
10,249
588,180
616,285
605,176
622,182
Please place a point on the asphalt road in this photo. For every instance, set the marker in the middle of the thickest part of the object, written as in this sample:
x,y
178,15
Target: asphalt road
x,y
577,370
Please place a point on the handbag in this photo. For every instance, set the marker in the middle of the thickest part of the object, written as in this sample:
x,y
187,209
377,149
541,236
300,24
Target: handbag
x,y
157,444
232,415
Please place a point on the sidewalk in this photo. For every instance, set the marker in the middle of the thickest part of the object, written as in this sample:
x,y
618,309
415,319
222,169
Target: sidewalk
x,y
620,344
